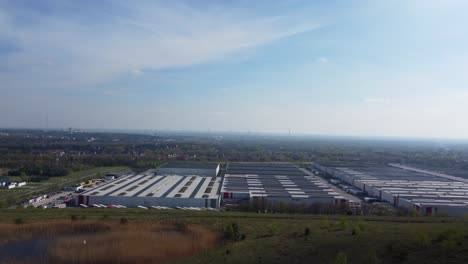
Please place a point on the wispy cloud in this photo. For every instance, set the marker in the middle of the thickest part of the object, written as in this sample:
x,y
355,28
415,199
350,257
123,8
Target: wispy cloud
x,y
323,60
137,72
61,52
378,100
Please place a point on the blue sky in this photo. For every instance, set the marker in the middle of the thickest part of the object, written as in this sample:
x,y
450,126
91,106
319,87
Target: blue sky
x,y
367,68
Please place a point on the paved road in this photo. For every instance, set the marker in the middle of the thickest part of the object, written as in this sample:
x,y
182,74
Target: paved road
x,y
346,195
64,182
60,197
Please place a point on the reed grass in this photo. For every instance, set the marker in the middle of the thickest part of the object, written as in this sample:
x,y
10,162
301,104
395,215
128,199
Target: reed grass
x,y
87,241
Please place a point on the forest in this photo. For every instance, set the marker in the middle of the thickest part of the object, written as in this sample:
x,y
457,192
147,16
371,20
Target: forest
x,y
36,155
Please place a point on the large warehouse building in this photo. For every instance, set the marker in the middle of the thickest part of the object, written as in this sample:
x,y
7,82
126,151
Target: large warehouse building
x,y
197,185
423,191
189,168
276,182
151,189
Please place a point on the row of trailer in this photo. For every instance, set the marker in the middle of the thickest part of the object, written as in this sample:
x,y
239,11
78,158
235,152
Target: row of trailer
x,y
149,207
35,199
102,206
11,185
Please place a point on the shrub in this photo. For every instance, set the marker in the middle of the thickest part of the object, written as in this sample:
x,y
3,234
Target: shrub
x,y
448,241
325,224
306,231
362,226
356,230
401,253
422,239
448,246
398,251
181,227
274,229
372,257
341,258
123,221
105,217
74,217
450,235
19,221
231,232
343,224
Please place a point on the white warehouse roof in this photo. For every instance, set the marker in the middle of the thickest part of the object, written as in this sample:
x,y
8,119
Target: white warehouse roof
x,y
168,186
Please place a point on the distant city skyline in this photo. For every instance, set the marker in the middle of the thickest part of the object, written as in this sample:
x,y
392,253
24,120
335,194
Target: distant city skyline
x,y
353,68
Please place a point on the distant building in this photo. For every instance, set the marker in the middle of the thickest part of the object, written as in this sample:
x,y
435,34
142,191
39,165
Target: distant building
x,y
189,168
422,191
272,183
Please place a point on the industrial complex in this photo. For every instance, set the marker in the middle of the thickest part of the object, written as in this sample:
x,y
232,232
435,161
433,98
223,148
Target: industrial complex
x,y
202,185
425,192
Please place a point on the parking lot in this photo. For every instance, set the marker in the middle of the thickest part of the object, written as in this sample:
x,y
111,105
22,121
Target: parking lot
x,y
57,199
54,199
336,188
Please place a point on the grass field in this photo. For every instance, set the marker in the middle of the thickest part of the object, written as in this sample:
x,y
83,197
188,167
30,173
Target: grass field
x,y
283,238
8,197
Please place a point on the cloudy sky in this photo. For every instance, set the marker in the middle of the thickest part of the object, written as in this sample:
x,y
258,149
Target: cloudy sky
x,y
368,68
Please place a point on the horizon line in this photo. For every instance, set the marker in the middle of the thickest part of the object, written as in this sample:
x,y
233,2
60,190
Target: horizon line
x,y
251,133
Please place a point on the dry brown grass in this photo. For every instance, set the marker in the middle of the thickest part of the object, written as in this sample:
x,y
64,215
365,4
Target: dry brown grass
x,y
111,242
134,244
45,229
